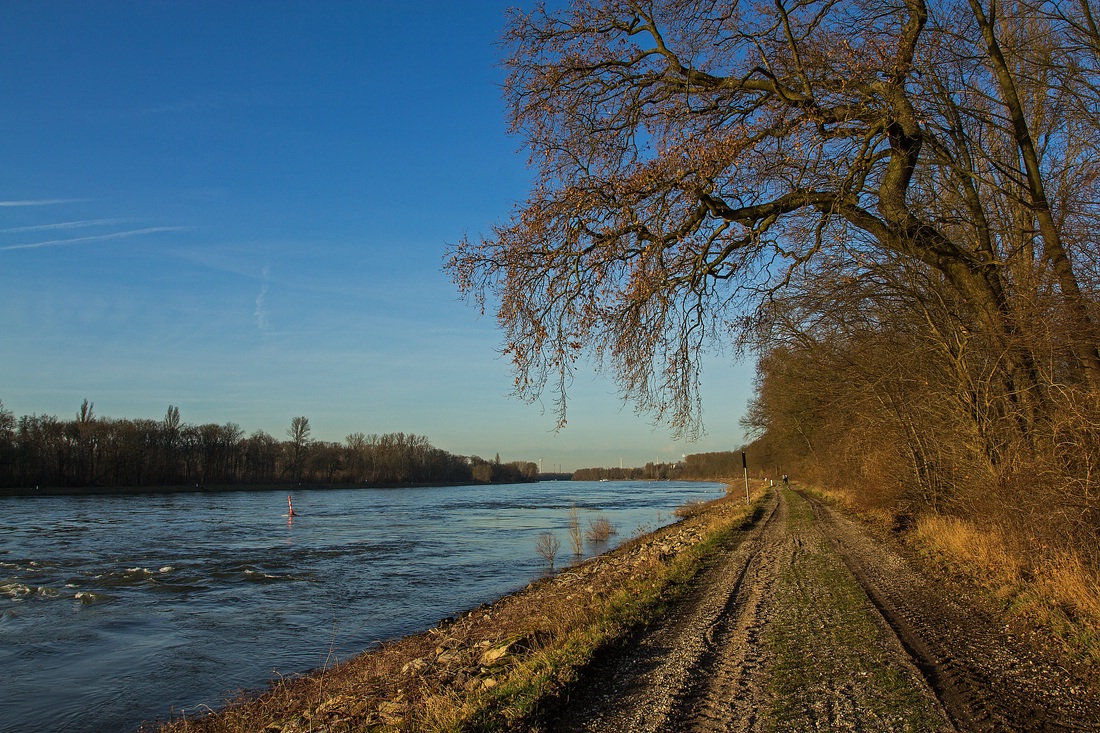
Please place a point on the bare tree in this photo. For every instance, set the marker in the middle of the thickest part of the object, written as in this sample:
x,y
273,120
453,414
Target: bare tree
x,y
576,538
599,530
697,160
547,546
355,448
299,439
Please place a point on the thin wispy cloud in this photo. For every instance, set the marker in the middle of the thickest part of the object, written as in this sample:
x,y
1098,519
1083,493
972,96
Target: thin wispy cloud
x,y
261,312
65,225
40,202
181,107
201,104
93,238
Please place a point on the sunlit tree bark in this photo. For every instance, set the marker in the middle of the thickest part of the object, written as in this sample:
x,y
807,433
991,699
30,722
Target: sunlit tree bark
x,y
1037,201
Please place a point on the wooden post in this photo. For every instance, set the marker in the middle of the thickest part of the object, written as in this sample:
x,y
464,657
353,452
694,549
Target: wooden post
x,y
745,465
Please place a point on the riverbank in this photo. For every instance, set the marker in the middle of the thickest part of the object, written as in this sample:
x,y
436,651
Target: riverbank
x,y
783,615
126,609
497,666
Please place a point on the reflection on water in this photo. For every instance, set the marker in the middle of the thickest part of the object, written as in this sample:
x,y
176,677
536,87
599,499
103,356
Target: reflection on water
x,y
122,608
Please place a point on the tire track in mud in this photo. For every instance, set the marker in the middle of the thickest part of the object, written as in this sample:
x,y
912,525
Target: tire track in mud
x,y
722,689
647,687
985,678
811,622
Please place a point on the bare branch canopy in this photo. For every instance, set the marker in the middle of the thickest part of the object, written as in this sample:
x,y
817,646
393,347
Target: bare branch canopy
x,y
697,161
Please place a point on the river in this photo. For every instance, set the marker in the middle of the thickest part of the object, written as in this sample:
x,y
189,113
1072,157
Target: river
x,y
120,609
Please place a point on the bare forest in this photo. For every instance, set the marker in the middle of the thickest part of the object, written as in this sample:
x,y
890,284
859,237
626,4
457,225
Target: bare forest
x,y
89,451
717,466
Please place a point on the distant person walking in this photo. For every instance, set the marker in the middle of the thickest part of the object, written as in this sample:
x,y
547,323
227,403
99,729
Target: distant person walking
x,y
786,484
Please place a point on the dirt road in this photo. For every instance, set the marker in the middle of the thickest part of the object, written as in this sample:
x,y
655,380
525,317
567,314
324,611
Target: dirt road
x,y
810,622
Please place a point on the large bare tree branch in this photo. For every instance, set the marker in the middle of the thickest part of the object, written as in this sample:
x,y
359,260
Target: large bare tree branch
x,y
695,159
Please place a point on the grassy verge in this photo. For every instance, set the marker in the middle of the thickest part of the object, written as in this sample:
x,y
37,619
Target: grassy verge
x,y
497,668
1051,588
1041,587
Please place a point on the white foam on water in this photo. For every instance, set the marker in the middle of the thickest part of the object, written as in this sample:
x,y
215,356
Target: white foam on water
x,y
15,591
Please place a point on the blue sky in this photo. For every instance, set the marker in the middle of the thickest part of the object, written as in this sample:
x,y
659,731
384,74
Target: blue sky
x,y
241,208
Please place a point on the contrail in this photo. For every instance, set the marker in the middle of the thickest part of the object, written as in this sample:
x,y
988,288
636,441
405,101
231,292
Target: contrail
x,y
94,238
64,225
261,302
40,202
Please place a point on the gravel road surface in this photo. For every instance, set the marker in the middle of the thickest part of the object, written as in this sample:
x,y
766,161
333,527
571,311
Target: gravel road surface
x,y
813,622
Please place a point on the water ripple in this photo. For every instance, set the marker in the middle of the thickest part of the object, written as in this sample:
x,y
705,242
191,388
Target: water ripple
x,y
115,610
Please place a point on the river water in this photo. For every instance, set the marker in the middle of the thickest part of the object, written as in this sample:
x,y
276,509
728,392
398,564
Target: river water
x,y
119,609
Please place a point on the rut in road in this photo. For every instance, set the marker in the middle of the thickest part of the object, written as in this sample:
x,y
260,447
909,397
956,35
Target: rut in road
x,y
713,664
809,623
721,687
986,679
644,689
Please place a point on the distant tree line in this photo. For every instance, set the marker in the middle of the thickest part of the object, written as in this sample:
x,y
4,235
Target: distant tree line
x,y
724,465
651,471
495,472
93,451
716,466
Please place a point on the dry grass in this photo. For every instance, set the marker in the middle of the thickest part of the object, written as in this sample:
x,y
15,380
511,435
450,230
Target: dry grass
x,y
496,667
1065,581
849,500
966,546
1052,588
691,509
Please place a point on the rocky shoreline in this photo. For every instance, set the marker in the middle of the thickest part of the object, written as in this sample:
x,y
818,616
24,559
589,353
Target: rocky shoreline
x,y
527,644
782,615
